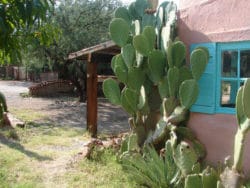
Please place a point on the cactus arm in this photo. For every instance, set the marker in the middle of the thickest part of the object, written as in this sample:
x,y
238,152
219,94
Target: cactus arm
x,y
180,114
232,177
239,107
246,98
243,118
238,150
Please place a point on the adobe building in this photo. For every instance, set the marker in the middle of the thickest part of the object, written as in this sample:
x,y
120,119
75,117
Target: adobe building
x,y
223,26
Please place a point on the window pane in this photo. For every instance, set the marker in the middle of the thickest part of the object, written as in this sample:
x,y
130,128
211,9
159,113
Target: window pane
x,y
228,93
245,63
229,63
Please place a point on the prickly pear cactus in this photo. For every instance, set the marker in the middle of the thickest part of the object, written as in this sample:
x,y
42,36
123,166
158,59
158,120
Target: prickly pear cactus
x,y
184,155
233,176
206,179
158,83
185,158
189,174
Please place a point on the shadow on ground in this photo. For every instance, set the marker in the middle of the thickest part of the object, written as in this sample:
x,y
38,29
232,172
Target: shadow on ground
x,y
111,119
14,144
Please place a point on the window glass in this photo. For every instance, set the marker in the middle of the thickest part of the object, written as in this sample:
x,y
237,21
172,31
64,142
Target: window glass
x,y
229,64
245,63
228,93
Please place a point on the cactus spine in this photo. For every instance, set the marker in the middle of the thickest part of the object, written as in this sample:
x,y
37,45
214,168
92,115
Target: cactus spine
x,y
153,70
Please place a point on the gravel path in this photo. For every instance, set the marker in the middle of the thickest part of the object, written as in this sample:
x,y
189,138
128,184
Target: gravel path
x,y
64,110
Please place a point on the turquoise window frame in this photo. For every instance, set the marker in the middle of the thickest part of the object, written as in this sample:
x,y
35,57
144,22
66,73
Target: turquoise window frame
x,y
234,46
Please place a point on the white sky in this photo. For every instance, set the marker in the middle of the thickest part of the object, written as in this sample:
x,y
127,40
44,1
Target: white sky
x,y
160,1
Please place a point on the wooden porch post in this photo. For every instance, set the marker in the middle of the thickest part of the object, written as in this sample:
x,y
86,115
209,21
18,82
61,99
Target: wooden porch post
x,y
91,97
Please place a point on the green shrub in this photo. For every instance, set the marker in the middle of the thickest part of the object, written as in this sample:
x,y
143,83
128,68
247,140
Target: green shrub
x,y
151,170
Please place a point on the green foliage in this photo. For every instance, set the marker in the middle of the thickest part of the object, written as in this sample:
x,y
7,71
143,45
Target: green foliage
x,y
150,60
176,166
186,159
82,24
151,170
21,22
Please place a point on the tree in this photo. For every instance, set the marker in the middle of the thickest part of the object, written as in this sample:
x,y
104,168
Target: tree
x,y
82,24
21,21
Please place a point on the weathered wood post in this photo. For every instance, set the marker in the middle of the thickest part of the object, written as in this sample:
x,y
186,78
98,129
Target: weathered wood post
x,y
91,96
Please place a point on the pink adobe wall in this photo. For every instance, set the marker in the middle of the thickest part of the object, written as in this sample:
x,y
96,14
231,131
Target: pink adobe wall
x,y
216,132
215,21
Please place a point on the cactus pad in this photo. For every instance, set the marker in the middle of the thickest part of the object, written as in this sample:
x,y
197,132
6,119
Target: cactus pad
x,y
136,78
246,98
119,31
128,54
149,33
156,64
189,91
239,107
142,44
163,87
198,62
123,13
178,53
193,181
112,91
173,80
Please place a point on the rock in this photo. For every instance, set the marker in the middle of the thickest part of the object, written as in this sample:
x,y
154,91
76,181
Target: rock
x,y
12,121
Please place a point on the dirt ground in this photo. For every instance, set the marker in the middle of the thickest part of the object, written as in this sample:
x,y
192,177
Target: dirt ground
x,y
61,111
64,110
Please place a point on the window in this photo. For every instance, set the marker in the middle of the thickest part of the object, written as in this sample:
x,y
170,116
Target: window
x,y
227,69
233,65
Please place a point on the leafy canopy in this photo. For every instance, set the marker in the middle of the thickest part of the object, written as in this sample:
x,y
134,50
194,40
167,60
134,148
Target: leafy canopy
x,y
20,21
